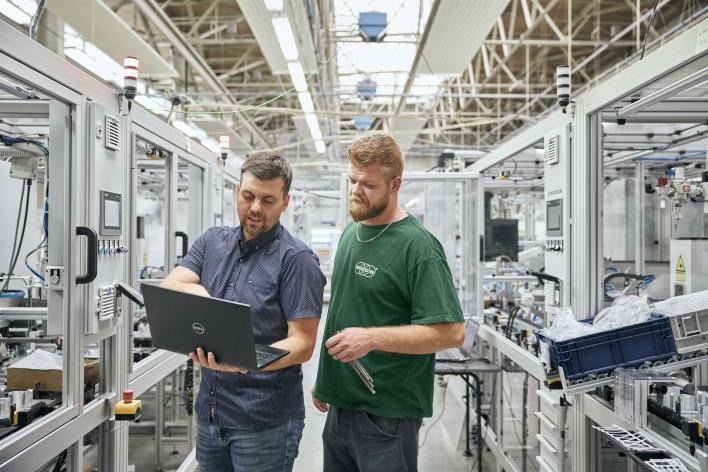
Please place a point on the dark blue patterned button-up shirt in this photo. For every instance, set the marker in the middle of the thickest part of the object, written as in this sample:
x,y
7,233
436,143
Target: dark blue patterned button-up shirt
x,y
280,278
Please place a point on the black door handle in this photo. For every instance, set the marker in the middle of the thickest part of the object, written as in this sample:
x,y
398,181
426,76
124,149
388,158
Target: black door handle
x,y
185,241
92,255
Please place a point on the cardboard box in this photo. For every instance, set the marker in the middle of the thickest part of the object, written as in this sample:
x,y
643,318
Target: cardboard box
x,y
47,380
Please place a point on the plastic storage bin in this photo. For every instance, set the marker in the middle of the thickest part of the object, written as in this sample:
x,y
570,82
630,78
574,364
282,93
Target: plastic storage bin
x,y
601,353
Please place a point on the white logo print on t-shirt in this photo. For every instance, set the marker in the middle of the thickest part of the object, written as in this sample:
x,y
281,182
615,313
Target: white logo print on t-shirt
x,y
364,269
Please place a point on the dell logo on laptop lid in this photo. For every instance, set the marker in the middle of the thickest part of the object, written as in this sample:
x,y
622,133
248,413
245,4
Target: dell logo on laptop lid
x,y
198,328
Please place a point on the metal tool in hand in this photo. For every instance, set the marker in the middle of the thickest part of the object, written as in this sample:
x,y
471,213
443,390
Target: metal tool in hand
x,y
363,375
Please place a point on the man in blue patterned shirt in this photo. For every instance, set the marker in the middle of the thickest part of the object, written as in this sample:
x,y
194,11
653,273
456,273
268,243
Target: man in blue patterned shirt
x,y
254,420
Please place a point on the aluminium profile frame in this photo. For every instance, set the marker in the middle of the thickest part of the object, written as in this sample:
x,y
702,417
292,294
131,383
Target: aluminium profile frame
x,y
29,63
587,188
65,111
587,198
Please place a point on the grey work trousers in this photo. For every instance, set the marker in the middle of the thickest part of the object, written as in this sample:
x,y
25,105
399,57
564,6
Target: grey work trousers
x,y
357,441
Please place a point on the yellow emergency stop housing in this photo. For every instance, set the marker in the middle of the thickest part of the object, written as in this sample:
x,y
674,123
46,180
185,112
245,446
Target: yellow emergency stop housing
x,y
128,410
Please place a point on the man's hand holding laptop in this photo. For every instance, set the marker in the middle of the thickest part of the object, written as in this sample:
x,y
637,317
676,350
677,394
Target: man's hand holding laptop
x,y
209,361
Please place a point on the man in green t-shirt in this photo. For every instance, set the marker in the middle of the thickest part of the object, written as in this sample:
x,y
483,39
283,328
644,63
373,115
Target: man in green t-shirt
x,y
393,306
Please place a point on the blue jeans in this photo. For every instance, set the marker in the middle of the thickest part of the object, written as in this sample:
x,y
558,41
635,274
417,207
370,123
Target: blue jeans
x,y
229,449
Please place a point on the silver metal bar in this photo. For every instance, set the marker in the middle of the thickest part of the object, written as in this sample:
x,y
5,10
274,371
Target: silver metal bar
x,y
669,91
509,278
363,375
514,352
159,421
29,340
671,366
18,314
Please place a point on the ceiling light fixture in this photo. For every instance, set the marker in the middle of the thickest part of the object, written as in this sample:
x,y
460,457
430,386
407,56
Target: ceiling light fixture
x,y
286,38
274,5
298,76
306,102
314,126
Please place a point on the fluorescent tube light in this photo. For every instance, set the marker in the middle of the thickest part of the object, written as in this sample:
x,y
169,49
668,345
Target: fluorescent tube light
x,y
298,76
274,5
286,38
306,102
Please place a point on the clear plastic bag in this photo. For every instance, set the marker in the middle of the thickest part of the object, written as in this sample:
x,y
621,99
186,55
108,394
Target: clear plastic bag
x,y
565,326
624,311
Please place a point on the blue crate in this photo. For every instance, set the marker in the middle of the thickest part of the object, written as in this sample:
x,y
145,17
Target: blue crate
x,y
599,353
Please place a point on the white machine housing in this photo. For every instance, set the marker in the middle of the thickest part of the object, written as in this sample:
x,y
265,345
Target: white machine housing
x,y
689,260
557,161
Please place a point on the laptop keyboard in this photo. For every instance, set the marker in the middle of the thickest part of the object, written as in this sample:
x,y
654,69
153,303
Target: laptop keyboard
x,y
260,355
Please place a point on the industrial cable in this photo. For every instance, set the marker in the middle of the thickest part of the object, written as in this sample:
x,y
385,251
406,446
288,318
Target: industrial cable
x,y
41,246
61,459
45,227
442,411
314,194
309,192
22,234
646,35
10,140
24,226
15,248
519,309
14,241
510,321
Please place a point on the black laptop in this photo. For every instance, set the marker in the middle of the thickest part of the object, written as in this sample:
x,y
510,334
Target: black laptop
x,y
180,322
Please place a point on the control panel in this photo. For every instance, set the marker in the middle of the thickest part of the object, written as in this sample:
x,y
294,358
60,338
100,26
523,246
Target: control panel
x,y
110,247
557,235
107,178
554,245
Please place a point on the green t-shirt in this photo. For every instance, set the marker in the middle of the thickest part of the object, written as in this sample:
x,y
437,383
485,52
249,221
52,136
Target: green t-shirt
x,y
399,278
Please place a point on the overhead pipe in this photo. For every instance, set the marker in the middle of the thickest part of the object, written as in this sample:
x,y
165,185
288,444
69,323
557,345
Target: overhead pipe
x,y
34,22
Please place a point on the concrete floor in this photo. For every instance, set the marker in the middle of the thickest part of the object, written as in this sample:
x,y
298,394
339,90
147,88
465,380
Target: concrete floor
x,y
442,437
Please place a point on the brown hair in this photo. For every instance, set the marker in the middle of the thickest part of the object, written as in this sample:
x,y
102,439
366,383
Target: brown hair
x,y
377,149
266,165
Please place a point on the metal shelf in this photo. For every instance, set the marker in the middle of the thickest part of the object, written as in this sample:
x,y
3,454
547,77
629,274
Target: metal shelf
x,y
669,366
